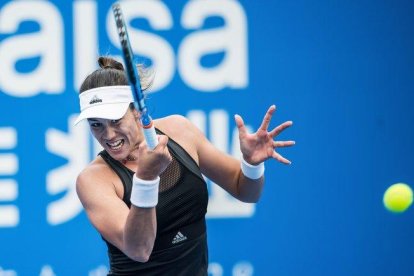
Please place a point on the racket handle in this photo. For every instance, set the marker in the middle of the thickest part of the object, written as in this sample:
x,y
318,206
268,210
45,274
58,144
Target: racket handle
x,y
150,136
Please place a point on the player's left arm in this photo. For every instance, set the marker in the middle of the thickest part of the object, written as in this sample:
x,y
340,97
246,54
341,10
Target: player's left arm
x,y
256,148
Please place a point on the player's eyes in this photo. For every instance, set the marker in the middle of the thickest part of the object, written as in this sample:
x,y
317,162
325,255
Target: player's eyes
x,y
115,121
95,125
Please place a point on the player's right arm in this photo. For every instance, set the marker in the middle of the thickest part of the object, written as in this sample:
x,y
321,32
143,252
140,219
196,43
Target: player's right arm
x,y
132,230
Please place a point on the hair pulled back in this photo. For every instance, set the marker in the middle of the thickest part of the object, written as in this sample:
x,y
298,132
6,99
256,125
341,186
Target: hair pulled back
x,y
111,73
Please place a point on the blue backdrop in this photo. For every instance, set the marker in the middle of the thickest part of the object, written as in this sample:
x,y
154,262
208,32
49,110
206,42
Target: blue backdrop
x,y
343,71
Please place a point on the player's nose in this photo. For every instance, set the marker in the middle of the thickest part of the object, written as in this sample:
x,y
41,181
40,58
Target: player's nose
x,y
109,133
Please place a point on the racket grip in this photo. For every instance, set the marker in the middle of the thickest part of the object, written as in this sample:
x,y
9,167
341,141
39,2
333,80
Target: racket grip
x,y
150,137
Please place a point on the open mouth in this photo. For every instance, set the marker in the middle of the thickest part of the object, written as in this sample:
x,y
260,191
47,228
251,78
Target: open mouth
x,y
115,145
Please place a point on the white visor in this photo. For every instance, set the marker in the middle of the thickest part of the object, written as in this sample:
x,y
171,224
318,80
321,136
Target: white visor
x,y
108,102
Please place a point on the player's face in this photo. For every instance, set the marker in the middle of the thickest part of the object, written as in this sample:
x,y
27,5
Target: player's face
x,y
118,137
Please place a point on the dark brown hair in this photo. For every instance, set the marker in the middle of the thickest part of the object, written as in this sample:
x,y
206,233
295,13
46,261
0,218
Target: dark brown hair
x,y
111,72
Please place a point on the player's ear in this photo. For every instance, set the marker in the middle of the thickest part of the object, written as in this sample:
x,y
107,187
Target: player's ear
x,y
137,115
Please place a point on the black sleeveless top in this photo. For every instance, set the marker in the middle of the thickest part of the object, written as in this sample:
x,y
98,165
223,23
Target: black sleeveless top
x,y
181,243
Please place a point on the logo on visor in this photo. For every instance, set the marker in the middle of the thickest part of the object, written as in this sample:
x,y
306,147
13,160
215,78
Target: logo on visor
x,y
95,100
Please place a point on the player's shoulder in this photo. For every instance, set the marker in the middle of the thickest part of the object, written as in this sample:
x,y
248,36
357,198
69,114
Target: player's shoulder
x,y
96,171
175,125
174,120
182,131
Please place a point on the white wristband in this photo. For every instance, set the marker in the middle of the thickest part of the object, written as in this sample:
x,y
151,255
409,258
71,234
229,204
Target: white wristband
x,y
144,193
252,171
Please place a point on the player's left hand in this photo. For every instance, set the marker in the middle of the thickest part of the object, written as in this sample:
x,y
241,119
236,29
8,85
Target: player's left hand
x,y
261,145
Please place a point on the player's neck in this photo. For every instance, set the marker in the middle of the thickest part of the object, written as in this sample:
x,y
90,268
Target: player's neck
x,y
129,158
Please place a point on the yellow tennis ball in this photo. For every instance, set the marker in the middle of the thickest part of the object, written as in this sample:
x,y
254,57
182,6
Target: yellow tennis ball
x,y
398,197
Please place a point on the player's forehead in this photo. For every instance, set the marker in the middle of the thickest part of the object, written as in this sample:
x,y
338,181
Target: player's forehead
x,y
94,120
102,120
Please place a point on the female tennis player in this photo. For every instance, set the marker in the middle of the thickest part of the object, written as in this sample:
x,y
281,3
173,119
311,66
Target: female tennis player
x,y
149,206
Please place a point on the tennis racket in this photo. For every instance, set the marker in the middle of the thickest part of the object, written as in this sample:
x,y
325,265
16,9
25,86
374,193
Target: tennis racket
x,y
133,78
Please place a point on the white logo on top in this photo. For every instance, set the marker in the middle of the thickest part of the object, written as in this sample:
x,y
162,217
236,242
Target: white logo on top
x,y
179,238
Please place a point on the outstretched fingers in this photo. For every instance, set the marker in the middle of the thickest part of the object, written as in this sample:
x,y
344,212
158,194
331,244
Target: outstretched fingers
x,y
282,144
280,128
267,118
280,158
240,124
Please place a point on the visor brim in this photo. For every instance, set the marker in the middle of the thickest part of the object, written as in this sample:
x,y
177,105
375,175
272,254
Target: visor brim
x,y
110,111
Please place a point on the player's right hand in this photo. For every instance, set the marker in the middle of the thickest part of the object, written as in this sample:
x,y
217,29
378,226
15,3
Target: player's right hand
x,y
151,163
